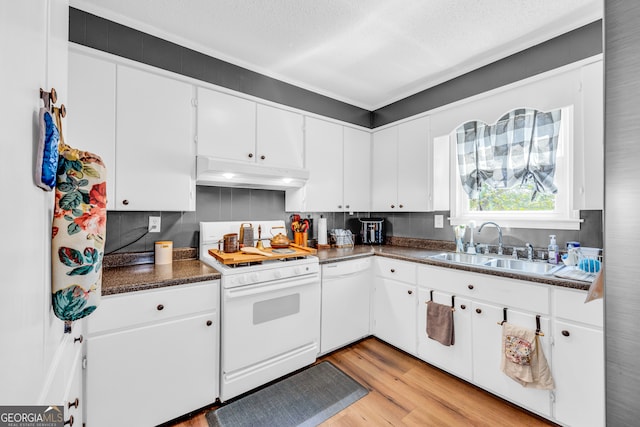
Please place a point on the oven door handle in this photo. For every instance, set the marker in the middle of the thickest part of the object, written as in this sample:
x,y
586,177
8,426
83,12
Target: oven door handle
x,y
276,285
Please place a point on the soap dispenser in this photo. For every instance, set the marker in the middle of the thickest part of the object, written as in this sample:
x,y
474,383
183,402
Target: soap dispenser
x,y
554,254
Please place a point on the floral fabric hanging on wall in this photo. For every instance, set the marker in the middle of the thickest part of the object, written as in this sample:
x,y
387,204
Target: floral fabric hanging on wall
x,y
78,232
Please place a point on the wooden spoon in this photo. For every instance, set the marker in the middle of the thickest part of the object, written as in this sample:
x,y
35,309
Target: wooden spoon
x,y
252,250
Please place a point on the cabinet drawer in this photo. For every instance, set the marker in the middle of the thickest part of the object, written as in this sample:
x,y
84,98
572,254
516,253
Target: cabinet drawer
x,y
126,310
508,292
569,304
396,270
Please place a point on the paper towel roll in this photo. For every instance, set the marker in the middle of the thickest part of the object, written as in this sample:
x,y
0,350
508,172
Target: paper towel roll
x,y
164,252
322,231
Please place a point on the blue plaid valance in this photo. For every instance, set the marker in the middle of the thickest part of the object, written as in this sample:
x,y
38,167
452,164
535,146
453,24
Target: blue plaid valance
x,y
519,147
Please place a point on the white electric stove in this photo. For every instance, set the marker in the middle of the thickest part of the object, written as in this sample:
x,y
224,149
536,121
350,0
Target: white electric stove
x,y
270,312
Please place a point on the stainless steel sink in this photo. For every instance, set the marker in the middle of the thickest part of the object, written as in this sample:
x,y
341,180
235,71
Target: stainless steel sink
x,y
523,266
516,265
462,258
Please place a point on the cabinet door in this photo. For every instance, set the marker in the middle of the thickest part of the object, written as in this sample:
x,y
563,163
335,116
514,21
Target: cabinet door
x,y
487,354
92,124
455,359
395,313
279,137
578,361
150,375
357,170
155,164
414,166
439,173
323,158
226,126
345,309
384,170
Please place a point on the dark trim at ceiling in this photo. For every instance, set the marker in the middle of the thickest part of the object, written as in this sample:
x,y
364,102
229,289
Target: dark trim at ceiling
x,y
108,36
573,46
101,34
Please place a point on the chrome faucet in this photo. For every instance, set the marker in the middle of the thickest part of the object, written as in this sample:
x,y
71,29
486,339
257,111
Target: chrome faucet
x,y
529,251
500,250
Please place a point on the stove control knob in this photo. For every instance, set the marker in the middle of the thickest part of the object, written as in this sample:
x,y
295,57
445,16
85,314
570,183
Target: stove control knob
x,y
298,270
277,274
254,277
241,279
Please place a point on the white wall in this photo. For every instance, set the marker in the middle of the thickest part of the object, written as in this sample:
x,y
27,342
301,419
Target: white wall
x,y
33,46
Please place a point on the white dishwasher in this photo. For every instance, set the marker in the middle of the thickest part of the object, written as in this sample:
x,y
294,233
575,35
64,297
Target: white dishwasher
x,y
346,298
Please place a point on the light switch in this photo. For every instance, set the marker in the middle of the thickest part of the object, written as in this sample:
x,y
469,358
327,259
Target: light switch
x,y
438,221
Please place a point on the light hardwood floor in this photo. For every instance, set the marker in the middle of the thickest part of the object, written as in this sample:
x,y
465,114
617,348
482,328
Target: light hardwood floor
x,y
404,391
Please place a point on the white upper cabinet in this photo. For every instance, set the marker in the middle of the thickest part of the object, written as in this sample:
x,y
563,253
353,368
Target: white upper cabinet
x,y
414,166
92,113
280,138
357,170
155,167
226,126
141,125
234,128
338,159
588,151
384,170
324,159
401,168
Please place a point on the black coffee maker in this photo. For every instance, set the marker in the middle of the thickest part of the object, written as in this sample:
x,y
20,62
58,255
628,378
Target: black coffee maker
x,y
372,231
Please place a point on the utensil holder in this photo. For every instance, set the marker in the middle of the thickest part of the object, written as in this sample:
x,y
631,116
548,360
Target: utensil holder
x,y
300,238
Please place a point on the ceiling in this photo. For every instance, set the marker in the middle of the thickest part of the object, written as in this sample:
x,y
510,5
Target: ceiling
x,y
368,53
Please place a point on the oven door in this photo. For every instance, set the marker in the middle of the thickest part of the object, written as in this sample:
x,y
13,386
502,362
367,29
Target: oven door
x,y
268,330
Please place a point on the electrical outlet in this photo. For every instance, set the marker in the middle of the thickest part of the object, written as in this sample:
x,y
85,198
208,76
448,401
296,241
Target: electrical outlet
x,y
154,224
438,221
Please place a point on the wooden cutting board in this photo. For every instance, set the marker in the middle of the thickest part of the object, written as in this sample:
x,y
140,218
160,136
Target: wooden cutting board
x,y
241,258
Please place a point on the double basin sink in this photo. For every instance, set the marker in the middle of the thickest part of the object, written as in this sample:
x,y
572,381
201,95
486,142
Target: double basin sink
x,y
511,264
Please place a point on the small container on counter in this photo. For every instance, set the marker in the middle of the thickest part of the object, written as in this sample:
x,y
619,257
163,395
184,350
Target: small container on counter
x,y
164,252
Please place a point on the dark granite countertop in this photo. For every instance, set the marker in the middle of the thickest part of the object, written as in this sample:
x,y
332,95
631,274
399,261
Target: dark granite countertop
x,y
131,278
421,255
135,271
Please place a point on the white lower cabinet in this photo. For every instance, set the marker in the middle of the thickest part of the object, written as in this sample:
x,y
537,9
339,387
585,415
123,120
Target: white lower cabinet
x,y
572,342
150,358
346,302
487,354
456,358
394,303
578,360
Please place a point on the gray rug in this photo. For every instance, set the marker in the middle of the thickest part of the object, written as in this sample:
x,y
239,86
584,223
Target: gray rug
x,y
304,399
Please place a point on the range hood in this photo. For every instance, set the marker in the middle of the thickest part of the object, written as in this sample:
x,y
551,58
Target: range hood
x,y
228,173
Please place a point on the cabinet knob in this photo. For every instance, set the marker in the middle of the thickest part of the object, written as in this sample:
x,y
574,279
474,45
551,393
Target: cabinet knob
x,y
410,292
125,202
263,157
393,270
463,307
347,206
470,286
250,155
74,404
566,333
209,323
393,206
69,421
478,310
401,206
160,307
339,206
78,339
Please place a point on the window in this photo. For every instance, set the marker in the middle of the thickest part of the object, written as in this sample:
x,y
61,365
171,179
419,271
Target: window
x,y
516,171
